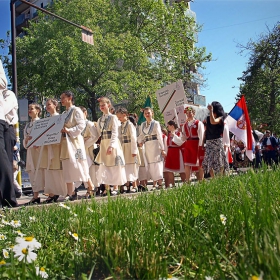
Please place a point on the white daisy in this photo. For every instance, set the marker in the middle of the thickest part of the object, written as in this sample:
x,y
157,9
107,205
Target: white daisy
x,y
33,219
15,223
29,242
209,278
2,237
74,235
223,219
4,222
18,232
5,253
64,206
41,272
22,252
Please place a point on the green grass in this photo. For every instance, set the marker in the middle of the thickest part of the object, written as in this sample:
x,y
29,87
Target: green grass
x,y
175,233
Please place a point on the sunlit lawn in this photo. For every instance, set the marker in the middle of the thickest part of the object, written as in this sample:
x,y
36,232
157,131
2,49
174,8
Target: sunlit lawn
x,y
227,228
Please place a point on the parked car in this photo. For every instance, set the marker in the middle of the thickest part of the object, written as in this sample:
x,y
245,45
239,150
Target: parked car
x,y
25,183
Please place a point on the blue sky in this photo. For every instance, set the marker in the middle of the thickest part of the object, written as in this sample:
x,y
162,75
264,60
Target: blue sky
x,y
225,24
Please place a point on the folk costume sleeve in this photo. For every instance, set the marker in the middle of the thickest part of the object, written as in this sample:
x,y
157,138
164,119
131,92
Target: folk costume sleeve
x,y
200,132
134,149
115,132
76,130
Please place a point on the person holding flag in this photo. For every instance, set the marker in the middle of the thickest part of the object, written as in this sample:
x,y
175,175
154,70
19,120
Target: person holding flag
x,y
238,122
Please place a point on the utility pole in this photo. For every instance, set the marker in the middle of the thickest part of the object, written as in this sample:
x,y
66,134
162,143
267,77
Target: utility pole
x,y
87,36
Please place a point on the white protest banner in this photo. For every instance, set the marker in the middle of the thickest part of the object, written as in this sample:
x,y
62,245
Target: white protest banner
x,y
47,131
181,115
171,96
170,116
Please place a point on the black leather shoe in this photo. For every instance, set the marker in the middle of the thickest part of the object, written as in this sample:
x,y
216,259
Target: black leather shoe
x,y
69,198
51,199
33,201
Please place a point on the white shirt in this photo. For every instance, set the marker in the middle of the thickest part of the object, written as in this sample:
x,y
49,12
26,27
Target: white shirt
x,y
3,85
3,80
10,105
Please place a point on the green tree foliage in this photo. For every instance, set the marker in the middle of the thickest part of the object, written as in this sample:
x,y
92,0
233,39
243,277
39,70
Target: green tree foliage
x,y
139,46
261,80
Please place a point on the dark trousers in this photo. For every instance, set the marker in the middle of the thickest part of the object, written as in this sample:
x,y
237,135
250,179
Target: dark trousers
x,y
10,141
7,192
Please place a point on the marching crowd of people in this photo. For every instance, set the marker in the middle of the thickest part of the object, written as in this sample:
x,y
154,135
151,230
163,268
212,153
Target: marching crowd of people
x,y
114,154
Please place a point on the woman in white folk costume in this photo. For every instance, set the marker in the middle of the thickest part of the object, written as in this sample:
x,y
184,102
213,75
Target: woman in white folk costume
x,y
193,133
128,138
33,155
50,162
110,158
90,137
174,159
73,155
142,173
151,137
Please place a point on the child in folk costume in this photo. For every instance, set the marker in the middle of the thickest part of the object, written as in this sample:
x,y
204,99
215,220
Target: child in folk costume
x,y
73,155
142,174
54,183
89,140
33,155
151,137
174,158
193,132
128,138
110,157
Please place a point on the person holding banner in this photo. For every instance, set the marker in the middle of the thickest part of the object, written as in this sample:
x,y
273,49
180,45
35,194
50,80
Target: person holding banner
x,y
215,161
151,137
110,158
73,155
54,183
174,158
193,133
36,174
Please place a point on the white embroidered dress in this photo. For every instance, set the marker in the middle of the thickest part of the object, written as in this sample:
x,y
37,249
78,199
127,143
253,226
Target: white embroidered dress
x,y
151,137
128,138
73,155
37,180
51,163
111,169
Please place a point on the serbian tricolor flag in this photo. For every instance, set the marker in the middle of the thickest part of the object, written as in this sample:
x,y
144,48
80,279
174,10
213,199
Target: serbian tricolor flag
x,y
238,122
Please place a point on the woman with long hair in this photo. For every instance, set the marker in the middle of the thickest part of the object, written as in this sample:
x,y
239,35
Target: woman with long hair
x,y
215,161
110,158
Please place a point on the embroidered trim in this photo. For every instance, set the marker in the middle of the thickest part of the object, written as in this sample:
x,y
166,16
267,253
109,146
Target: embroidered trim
x,y
152,124
68,115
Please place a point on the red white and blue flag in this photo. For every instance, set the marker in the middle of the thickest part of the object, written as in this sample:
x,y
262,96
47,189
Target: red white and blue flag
x,y
238,122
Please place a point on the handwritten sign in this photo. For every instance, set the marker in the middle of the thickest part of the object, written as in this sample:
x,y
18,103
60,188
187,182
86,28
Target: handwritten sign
x,y
47,131
170,115
181,115
171,96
